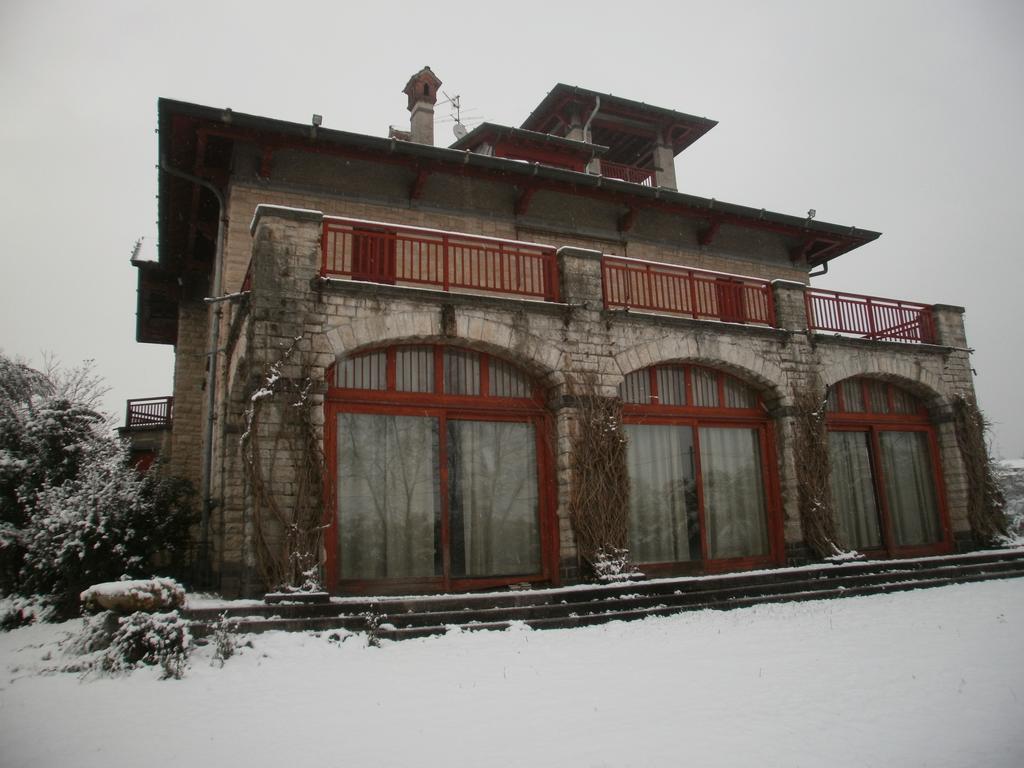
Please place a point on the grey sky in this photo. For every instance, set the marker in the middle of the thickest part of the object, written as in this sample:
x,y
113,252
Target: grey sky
x,y
903,117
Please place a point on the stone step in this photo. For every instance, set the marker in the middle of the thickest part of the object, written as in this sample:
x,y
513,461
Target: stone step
x,y
458,602
418,616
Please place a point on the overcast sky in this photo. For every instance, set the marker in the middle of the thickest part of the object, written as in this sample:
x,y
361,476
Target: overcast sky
x,y
902,117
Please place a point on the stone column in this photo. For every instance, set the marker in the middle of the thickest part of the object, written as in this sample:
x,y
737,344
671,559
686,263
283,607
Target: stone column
x,y
790,307
949,325
580,273
665,164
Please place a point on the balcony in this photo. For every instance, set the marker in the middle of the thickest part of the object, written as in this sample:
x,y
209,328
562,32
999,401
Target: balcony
x,y
698,294
869,317
149,413
449,261
643,176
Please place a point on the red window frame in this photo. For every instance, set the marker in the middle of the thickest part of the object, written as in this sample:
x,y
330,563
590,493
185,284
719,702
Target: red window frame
x,y
443,407
695,417
873,423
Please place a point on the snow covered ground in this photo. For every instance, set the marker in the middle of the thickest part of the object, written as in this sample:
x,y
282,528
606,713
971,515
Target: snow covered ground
x,y
927,678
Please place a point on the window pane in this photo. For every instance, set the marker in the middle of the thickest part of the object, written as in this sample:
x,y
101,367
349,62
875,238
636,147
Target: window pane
x,y
671,385
388,496
853,490
636,388
734,501
492,492
738,394
910,487
414,369
663,522
461,372
705,388
505,380
904,402
853,396
879,394
367,371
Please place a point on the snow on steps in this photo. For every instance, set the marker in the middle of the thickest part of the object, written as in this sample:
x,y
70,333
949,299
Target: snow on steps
x,y
418,616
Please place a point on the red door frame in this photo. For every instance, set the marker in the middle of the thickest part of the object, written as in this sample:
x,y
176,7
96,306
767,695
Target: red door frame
x,y
443,407
872,424
696,417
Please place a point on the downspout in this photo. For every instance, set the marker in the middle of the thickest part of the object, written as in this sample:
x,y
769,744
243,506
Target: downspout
x,y
586,125
824,271
206,492
586,134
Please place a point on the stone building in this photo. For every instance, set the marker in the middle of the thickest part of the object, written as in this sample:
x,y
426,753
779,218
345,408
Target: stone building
x,y
382,348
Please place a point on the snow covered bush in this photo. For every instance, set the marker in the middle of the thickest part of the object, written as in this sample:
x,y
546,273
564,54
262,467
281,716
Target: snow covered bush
x,y
73,512
94,528
1010,474
223,639
149,638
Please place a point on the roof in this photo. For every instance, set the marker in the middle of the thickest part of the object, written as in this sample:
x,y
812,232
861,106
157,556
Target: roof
x,y
188,213
616,115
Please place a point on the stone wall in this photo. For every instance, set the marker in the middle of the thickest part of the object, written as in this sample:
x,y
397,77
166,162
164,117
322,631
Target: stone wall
x,y
325,319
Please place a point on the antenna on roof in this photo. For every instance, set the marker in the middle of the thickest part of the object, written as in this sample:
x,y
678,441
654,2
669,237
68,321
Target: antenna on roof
x,y
455,113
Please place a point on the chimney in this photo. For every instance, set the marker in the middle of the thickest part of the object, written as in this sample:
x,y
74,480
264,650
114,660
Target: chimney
x,y
422,92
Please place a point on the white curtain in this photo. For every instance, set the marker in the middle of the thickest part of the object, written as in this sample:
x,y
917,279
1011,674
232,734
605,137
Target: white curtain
x,y
662,499
493,498
853,490
388,500
910,487
734,501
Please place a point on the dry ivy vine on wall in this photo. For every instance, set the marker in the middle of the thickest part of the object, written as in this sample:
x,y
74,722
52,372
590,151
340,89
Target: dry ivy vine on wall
x,y
599,499
811,456
985,501
281,435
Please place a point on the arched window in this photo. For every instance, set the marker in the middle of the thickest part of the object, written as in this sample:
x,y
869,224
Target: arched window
x,y
440,471
885,470
702,486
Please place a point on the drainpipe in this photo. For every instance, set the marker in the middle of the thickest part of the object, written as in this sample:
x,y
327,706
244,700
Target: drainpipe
x,y
824,271
211,357
586,125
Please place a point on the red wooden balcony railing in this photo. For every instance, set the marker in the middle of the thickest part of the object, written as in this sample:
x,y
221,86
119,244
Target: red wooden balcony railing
x,y
869,317
151,412
388,253
695,293
644,176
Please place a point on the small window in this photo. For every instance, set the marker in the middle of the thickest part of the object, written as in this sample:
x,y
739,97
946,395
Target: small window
x,y
414,369
506,380
871,396
433,370
461,372
671,385
636,388
367,371
738,394
686,386
705,388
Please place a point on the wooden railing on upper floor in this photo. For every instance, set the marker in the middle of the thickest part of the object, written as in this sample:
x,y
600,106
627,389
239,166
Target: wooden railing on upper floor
x,y
869,317
699,294
643,176
149,413
387,253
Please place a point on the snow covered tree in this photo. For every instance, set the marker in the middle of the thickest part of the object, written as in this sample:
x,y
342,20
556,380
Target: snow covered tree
x,y
72,509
